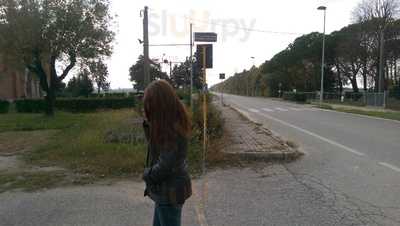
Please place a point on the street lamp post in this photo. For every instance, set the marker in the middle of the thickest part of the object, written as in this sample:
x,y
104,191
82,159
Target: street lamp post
x,y
247,80
321,98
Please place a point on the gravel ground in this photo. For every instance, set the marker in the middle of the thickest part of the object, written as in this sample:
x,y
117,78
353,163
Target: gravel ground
x,y
262,194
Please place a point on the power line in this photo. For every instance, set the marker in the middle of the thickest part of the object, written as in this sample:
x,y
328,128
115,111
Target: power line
x,y
231,26
244,28
165,45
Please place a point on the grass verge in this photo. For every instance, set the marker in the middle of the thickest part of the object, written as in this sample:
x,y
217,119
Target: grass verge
x,y
90,147
393,115
29,181
378,114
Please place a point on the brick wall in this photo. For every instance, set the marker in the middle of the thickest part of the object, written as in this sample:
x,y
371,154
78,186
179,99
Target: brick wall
x,y
16,85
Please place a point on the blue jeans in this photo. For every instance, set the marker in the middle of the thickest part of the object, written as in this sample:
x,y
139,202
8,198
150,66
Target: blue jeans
x,y
167,215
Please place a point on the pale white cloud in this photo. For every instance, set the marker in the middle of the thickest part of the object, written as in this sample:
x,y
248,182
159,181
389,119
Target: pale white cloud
x,y
170,24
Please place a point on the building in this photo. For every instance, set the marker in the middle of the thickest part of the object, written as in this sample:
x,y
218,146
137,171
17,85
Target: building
x,y
17,84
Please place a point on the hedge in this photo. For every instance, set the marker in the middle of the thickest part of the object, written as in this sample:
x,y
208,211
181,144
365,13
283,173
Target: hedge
x,y
296,97
30,106
75,104
4,106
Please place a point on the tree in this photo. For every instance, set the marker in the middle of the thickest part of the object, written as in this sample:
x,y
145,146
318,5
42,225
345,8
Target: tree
x,y
80,86
136,73
348,54
99,74
181,75
378,14
42,35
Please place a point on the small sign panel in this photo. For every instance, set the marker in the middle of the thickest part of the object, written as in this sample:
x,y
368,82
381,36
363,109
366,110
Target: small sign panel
x,y
209,55
205,37
222,76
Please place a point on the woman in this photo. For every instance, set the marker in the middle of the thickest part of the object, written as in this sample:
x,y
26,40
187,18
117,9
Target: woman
x,y
167,127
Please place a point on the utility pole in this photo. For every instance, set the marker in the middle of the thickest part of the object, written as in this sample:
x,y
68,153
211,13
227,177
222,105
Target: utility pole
x,y
170,69
191,65
146,64
381,60
205,110
321,98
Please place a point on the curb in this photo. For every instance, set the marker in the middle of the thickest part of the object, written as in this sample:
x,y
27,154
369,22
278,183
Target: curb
x,y
267,157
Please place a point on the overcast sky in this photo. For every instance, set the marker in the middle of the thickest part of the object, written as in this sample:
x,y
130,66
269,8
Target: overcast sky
x,y
273,24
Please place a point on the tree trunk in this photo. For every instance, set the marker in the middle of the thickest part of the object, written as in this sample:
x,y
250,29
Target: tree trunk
x,y
354,85
50,100
395,73
365,74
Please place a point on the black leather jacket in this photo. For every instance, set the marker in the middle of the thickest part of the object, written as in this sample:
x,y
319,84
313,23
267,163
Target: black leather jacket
x,y
166,174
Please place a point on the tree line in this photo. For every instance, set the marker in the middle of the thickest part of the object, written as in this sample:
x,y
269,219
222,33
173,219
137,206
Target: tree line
x,y
179,75
355,57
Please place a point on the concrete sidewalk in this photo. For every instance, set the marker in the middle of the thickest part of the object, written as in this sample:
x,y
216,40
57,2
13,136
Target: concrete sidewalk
x,y
252,141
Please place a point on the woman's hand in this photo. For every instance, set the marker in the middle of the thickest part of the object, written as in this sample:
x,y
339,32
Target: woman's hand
x,y
146,174
146,129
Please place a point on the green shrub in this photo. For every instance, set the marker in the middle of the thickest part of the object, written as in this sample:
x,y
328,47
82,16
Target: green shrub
x,y
215,121
395,92
75,104
4,106
93,104
96,95
30,106
119,95
183,95
296,97
353,96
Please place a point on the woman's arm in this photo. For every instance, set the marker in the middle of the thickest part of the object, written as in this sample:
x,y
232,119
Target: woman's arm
x,y
163,169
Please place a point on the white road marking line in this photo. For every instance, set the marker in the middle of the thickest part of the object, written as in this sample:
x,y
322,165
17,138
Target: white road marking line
x,y
390,166
254,110
351,150
281,109
267,110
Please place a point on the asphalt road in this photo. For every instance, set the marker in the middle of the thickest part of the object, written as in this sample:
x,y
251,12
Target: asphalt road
x,y
355,156
349,176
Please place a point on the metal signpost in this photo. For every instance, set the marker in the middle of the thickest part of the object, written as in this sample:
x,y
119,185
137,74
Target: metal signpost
x,y
205,52
222,77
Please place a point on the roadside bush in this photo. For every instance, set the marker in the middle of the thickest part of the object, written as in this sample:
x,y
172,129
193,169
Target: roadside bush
x,y
393,103
93,104
30,106
395,92
115,95
183,95
4,106
75,105
96,95
353,96
296,97
215,121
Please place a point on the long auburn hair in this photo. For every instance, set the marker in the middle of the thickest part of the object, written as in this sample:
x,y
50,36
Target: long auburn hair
x,y
166,114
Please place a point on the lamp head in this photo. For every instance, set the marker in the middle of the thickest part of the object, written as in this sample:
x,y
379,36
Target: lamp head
x,y
322,8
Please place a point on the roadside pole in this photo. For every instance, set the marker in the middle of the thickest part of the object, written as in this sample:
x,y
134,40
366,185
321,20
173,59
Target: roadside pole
x,y
205,140
222,78
191,65
146,47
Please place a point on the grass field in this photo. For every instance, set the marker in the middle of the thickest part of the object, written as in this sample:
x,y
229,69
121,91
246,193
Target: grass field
x,y
89,147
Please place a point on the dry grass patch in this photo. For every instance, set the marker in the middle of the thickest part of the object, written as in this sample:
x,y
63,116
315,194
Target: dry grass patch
x,y
16,142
